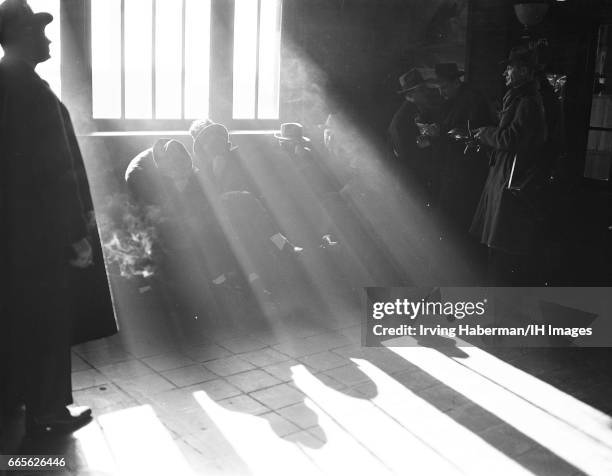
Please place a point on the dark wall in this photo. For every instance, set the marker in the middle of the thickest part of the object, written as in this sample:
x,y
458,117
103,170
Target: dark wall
x,y
350,53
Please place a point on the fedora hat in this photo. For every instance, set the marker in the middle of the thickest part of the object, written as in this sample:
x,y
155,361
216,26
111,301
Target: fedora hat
x,y
410,81
522,56
448,71
291,131
16,16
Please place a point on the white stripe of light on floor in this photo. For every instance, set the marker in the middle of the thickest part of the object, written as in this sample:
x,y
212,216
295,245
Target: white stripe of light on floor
x,y
403,430
138,442
256,443
585,418
565,440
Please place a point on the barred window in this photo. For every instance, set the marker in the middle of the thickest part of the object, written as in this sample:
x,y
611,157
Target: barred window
x,y
150,59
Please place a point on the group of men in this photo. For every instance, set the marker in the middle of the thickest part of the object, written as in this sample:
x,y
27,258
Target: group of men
x,y
53,290
271,227
483,181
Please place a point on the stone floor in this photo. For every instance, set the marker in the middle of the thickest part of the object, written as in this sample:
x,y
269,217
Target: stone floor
x,y
302,396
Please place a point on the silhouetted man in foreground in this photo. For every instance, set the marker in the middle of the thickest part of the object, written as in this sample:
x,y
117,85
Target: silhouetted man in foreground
x,y
44,231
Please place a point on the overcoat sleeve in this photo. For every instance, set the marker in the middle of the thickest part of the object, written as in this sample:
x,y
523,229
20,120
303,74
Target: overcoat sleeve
x,y
512,133
60,182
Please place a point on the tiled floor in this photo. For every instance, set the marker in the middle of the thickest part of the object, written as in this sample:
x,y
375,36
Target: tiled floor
x,y
303,397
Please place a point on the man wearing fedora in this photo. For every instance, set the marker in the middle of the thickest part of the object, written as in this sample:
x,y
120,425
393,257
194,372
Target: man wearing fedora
x,y
504,221
462,171
409,151
43,205
256,239
190,252
355,254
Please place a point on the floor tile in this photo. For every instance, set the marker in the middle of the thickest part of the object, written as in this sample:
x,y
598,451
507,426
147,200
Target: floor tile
x,y
279,396
281,426
300,414
244,404
144,385
78,363
205,353
171,361
282,371
228,366
507,439
105,356
217,389
349,375
102,397
241,345
264,357
125,370
324,361
88,378
185,376
253,380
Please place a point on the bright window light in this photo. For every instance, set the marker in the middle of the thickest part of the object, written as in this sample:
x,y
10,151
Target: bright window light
x,y
269,59
197,58
168,59
257,31
245,58
106,58
138,59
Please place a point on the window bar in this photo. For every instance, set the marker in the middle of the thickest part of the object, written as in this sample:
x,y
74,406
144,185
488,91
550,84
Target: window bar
x,y
123,59
183,39
153,58
257,60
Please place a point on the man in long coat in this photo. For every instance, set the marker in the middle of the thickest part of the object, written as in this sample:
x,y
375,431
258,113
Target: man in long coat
x,y
505,221
44,232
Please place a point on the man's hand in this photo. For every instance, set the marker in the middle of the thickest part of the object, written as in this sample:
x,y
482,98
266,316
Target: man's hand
x,y
478,132
84,254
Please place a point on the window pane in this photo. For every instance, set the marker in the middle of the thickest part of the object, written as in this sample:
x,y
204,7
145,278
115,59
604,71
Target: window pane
x,y
50,70
269,58
106,58
197,58
138,59
245,58
168,59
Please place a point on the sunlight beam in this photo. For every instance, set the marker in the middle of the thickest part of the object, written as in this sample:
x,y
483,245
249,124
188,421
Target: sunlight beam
x,y
256,443
569,443
141,444
474,456
396,447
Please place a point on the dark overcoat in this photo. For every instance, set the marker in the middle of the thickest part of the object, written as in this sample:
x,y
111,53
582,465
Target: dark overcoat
x,y
503,220
462,173
43,207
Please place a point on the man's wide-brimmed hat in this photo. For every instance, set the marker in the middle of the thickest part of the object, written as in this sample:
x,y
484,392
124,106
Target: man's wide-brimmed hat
x,y
410,81
291,131
16,16
448,71
522,56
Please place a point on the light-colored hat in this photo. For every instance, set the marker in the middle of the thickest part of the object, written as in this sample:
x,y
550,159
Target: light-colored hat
x,y
17,16
173,150
410,81
291,131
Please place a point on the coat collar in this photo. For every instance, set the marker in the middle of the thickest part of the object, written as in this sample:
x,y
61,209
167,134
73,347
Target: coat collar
x,y
530,88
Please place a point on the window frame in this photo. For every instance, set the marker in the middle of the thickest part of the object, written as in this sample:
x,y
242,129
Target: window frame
x,y
76,74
